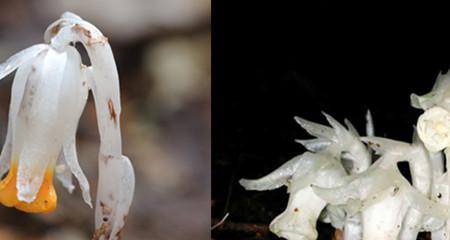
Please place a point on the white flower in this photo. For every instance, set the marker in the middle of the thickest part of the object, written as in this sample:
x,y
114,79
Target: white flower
x,y
299,219
433,127
49,93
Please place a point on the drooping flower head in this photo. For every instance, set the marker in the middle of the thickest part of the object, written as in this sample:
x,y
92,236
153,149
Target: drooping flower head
x,y
48,96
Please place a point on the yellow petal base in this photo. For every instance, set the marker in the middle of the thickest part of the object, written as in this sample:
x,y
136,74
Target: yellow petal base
x,y
45,201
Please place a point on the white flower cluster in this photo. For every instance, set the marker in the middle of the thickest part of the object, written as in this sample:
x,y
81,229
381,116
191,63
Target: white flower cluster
x,y
354,183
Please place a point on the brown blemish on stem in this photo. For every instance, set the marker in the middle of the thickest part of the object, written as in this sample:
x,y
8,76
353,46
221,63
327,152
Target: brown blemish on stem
x,y
103,230
112,112
106,158
90,40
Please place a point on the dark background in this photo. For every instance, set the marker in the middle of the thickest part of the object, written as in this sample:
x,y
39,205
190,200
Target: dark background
x,y
276,60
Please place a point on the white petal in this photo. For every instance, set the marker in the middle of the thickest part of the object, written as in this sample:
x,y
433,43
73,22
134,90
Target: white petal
x,y
314,145
338,128
19,58
23,57
315,129
69,145
70,155
351,128
64,174
275,179
370,131
46,113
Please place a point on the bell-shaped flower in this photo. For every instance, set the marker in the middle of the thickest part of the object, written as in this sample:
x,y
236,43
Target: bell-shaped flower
x,y
48,96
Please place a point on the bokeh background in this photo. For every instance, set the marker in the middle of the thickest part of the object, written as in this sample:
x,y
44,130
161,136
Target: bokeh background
x,y
162,50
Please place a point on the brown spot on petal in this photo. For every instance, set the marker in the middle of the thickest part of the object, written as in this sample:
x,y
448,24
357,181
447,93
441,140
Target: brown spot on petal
x,y
295,209
55,29
106,159
112,112
83,30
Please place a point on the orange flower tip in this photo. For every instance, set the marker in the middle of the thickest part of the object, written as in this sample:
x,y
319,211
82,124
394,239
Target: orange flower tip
x,y
45,201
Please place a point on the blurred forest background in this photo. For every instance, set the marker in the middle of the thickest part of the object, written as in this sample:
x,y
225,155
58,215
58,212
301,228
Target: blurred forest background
x,y
162,51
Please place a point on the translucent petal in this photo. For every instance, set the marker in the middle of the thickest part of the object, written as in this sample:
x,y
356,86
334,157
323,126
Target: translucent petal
x,y
315,129
46,113
19,58
351,128
370,130
70,155
64,174
338,128
18,86
314,145
69,145
5,156
275,179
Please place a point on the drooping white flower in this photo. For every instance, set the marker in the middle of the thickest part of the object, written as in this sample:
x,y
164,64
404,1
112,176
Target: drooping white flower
x,y
48,96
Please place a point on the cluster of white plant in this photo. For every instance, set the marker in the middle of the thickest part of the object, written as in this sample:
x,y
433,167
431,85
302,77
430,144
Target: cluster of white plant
x,y
354,183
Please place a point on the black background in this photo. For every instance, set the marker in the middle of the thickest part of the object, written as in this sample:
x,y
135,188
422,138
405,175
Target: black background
x,y
276,60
